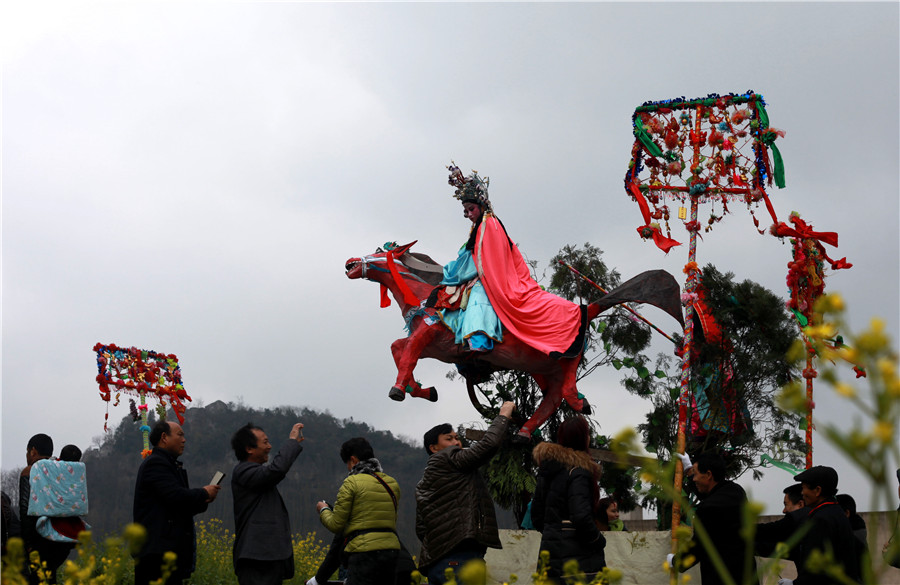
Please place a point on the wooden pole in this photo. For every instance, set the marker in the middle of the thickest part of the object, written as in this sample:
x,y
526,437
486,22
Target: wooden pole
x,y
809,409
689,288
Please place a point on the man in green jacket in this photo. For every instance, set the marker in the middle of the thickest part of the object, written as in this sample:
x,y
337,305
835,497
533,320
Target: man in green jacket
x,y
365,512
455,517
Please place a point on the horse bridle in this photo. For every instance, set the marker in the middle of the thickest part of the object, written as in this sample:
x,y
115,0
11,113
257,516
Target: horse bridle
x,y
408,262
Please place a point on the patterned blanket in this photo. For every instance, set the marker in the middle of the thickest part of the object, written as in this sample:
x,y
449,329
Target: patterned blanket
x,y
58,497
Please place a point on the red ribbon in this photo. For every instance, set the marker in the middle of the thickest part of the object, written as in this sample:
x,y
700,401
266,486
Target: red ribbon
x,y
385,299
804,231
662,242
408,297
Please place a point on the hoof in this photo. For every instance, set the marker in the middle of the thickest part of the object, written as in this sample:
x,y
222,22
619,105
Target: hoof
x,y
398,394
521,439
432,394
585,407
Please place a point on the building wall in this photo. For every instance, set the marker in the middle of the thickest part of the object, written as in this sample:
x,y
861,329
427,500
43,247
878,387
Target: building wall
x,y
640,554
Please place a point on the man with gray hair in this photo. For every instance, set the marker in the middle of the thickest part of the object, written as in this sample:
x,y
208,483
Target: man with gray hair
x,y
263,554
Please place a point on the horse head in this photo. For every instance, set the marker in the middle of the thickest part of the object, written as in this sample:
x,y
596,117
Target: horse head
x,y
409,276
360,267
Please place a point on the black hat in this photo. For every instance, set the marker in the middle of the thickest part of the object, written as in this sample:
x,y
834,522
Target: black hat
x,y
820,475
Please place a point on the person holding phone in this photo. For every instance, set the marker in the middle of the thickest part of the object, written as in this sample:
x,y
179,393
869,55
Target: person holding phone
x,y
165,504
263,554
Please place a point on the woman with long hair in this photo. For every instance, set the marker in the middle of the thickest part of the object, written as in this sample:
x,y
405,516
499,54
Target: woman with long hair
x,y
565,501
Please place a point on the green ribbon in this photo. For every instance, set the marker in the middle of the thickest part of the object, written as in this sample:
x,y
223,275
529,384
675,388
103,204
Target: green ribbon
x,y
641,134
801,318
779,464
768,137
763,115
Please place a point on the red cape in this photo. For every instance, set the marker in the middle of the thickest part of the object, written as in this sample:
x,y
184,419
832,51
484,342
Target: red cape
x,y
541,319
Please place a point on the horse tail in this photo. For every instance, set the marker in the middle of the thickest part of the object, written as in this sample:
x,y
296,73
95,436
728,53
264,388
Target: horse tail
x,y
654,287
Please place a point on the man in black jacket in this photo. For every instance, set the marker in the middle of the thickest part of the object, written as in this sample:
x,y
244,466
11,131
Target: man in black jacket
x,y
455,518
165,505
830,532
720,512
769,534
263,554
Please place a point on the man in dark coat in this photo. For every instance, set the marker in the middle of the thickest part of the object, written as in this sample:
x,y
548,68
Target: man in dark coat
x,y
720,512
455,518
769,534
263,554
830,532
165,505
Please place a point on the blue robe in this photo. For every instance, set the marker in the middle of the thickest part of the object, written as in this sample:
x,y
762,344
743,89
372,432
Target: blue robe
x,y
477,322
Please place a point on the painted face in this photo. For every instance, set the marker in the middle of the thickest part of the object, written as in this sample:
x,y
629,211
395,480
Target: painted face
x,y
260,453
612,512
471,211
450,439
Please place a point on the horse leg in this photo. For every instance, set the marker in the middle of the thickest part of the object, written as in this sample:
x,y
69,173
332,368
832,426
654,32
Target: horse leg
x,y
406,354
569,389
549,404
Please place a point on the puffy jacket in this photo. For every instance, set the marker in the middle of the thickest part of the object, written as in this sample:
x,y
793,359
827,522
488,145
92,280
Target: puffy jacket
x,y
563,506
364,504
453,503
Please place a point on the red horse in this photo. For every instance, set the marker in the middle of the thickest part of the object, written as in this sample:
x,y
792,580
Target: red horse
x,y
410,277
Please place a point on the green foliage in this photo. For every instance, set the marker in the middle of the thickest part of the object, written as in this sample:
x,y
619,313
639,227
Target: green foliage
x,y
759,331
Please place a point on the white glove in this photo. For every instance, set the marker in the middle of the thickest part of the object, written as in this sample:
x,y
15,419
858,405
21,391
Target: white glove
x,y
312,581
785,582
670,558
685,461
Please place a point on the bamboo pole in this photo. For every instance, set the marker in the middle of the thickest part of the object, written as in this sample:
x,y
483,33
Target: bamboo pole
x,y
690,286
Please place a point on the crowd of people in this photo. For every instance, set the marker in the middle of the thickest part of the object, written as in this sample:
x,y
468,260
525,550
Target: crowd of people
x,y
455,516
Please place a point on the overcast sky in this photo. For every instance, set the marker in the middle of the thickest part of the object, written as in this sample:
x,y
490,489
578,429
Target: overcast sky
x,y
191,177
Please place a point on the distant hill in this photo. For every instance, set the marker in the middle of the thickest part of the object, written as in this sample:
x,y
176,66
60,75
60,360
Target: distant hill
x,y
316,474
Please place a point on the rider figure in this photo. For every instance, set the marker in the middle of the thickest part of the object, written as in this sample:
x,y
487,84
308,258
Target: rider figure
x,y
463,304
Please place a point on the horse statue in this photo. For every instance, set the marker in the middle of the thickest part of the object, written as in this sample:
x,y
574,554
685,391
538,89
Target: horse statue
x,y
410,277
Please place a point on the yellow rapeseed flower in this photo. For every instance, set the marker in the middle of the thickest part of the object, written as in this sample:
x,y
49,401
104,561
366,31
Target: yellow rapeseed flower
x,y
873,340
829,303
613,574
845,390
473,573
797,351
883,431
848,354
823,331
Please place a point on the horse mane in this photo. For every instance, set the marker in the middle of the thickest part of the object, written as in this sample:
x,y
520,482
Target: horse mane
x,y
432,273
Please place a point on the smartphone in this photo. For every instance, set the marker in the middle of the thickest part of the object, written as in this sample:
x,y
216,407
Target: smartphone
x,y
217,478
